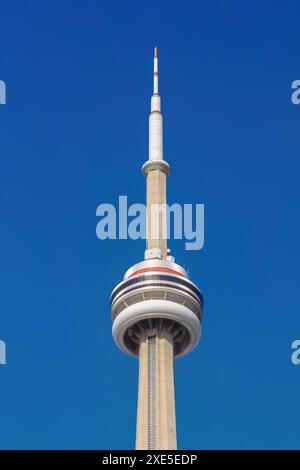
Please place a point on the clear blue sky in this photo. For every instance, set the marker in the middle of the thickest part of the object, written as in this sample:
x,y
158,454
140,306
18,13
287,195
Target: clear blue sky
x,y
73,135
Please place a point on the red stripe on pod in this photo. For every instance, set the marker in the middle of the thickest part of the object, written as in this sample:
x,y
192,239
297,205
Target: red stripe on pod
x,y
158,268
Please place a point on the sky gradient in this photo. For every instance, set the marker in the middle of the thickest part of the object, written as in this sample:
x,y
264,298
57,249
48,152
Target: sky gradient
x,y
74,134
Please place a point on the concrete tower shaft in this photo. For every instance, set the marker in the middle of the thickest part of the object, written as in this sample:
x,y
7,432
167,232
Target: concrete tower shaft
x,y
156,425
156,199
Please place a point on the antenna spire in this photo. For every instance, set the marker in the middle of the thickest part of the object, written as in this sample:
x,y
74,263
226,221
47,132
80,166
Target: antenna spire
x,y
155,71
155,118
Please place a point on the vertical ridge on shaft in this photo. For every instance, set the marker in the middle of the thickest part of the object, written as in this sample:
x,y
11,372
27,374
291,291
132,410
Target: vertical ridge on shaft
x,y
152,391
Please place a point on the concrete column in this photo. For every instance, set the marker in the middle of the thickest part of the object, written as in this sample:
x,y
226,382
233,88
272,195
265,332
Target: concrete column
x,y
142,409
156,423
166,422
156,211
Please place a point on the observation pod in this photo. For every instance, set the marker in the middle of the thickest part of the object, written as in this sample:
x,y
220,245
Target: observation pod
x,y
156,295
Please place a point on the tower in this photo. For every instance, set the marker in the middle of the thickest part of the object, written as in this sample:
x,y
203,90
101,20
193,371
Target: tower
x,y
156,309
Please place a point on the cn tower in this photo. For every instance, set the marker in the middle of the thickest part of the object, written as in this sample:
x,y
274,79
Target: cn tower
x,y
156,309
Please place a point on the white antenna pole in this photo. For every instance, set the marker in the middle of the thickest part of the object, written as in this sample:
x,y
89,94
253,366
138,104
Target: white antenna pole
x,y
155,118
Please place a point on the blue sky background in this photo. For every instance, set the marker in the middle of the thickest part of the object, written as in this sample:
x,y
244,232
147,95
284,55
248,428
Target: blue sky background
x,y
73,134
